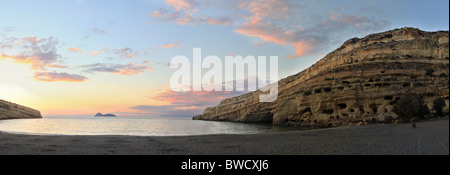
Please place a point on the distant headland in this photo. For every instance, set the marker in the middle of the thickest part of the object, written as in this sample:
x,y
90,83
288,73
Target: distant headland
x,y
10,110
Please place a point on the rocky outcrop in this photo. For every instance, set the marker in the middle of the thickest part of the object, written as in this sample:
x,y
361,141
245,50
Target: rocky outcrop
x,y
10,110
356,84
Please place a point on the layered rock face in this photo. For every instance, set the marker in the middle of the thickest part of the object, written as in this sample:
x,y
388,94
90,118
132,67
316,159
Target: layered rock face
x,y
10,110
357,83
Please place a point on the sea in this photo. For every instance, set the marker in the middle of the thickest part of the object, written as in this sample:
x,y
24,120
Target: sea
x,y
134,126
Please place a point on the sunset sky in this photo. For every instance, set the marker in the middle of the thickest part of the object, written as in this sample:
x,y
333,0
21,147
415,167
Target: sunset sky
x,y
80,57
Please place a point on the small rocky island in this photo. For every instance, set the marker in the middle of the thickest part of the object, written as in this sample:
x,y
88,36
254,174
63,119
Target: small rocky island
x,y
104,115
10,110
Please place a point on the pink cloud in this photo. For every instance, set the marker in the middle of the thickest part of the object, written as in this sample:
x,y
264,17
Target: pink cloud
x,y
273,22
181,4
126,53
169,45
184,12
133,69
31,39
264,9
36,62
122,69
301,48
73,49
91,53
272,34
122,53
55,76
259,24
39,53
219,21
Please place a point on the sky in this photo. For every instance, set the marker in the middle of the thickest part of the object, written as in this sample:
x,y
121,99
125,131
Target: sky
x,y
80,57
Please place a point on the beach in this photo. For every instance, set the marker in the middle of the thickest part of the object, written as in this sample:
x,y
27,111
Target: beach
x,y
431,137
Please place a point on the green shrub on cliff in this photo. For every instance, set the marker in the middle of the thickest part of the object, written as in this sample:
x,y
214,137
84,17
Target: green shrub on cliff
x,y
438,105
410,107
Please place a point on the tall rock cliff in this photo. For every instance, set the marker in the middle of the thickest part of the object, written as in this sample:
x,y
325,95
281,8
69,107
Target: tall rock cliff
x,y
357,83
10,110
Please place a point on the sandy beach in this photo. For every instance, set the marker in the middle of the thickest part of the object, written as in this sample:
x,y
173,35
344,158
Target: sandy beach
x,y
431,137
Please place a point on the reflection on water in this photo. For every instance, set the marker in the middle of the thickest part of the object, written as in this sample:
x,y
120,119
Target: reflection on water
x,y
139,126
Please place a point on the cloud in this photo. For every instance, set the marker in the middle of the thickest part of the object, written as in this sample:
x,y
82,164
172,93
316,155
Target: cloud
x,y
183,12
39,53
94,31
122,69
270,21
188,18
126,53
170,46
73,49
218,21
91,53
122,53
97,31
55,76
280,22
94,53
178,5
183,104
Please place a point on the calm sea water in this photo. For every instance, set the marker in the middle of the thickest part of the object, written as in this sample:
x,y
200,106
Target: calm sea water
x,y
138,126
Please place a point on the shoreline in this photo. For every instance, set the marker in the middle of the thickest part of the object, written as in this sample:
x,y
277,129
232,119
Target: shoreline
x,y
431,137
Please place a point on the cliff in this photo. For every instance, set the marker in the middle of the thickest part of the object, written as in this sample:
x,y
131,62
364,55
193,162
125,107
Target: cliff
x,y
10,110
357,83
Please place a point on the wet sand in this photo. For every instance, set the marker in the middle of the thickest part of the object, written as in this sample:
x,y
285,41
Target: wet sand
x,y
431,137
